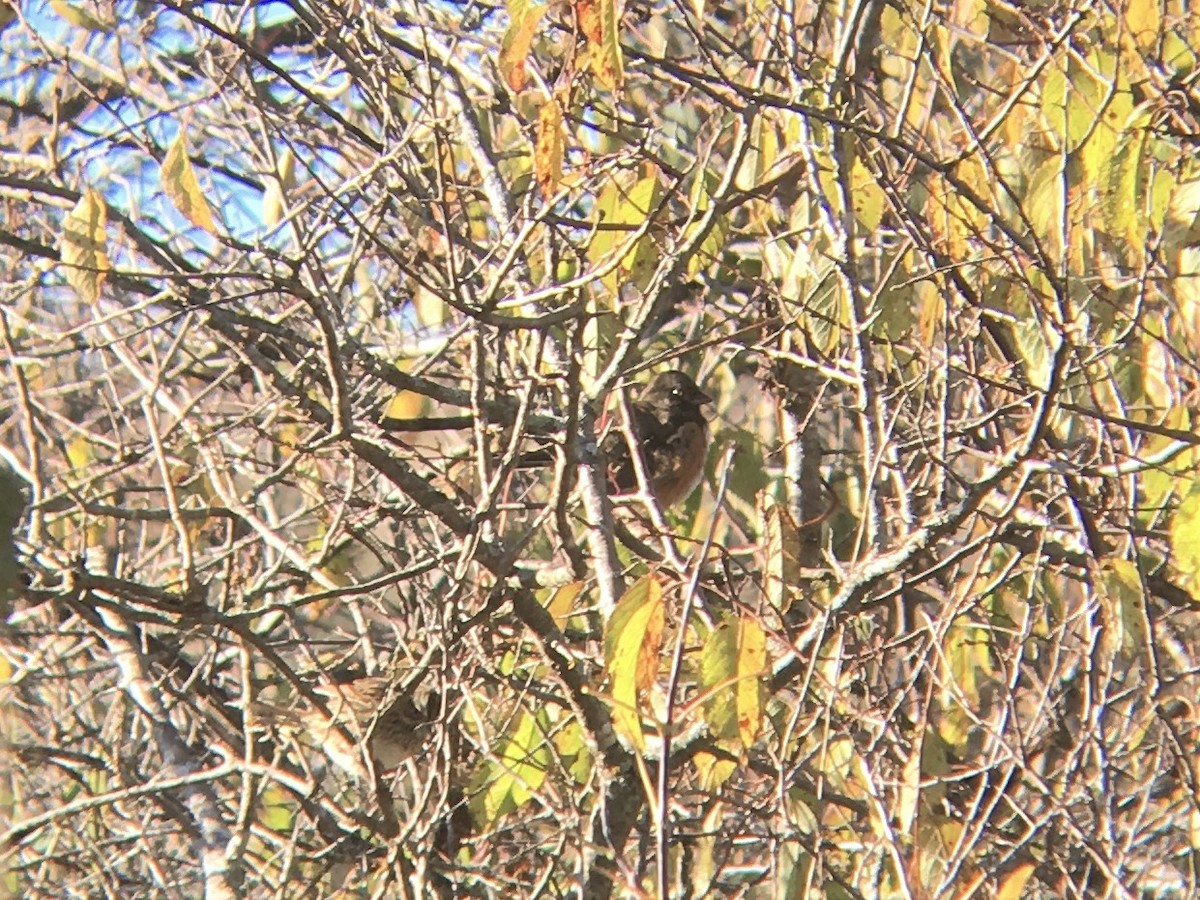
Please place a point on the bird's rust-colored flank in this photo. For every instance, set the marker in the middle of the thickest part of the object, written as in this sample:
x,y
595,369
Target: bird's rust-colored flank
x,y
673,434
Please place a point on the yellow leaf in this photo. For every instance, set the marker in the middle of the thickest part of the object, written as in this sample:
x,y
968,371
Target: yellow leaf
x,y
275,195
1182,226
1122,183
713,770
179,181
549,148
77,16
83,246
430,307
286,169
1143,21
406,405
272,204
761,154
714,244
751,666
570,743
523,20
868,198
910,792
562,602
1122,586
632,642
8,14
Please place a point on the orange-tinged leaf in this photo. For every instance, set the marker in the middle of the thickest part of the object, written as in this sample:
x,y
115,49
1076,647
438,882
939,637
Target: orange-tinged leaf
x,y
523,20
607,61
632,643
1012,887
588,15
179,181
549,149
83,246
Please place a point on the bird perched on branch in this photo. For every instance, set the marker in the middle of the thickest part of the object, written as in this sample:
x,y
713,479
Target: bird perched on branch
x,y
672,433
669,425
371,714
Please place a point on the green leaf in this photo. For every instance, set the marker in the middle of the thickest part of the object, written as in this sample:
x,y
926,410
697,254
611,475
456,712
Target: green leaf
x,y
1185,540
516,774
1123,587
632,643
621,209
732,666
12,511
782,542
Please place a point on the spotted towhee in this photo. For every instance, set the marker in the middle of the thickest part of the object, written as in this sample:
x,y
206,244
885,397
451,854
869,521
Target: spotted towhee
x,y
669,426
672,433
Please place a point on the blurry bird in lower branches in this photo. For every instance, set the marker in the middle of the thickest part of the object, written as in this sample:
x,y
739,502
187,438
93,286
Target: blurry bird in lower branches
x,y
370,714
